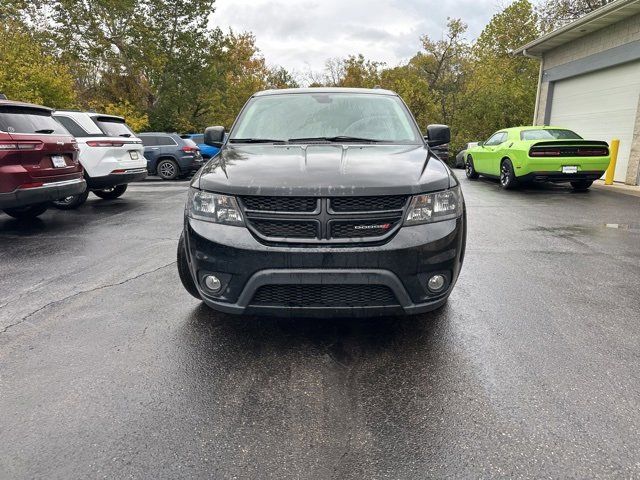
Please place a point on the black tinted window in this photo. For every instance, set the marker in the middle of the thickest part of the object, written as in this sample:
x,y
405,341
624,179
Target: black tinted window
x,y
29,120
165,140
198,138
73,128
549,134
113,127
148,140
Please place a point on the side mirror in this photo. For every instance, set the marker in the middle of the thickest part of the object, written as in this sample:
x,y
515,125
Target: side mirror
x,y
438,135
481,144
214,136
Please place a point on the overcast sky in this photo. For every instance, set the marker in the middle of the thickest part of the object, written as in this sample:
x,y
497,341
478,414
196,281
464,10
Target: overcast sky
x,y
301,35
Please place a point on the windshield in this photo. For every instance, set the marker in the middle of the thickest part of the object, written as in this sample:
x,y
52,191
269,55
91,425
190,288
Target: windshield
x,y
197,138
29,120
285,117
549,134
113,127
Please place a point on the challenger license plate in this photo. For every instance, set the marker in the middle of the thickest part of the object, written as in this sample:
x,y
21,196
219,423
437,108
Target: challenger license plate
x,y
133,155
570,169
58,161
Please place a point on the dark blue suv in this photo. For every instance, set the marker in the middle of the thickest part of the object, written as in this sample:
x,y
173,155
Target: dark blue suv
x,y
169,155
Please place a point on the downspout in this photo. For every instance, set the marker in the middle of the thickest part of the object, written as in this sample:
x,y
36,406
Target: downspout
x,y
535,111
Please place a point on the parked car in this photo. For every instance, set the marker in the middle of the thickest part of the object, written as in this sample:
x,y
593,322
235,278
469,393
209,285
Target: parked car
x,y
38,160
539,154
169,155
459,163
111,154
442,151
314,206
207,151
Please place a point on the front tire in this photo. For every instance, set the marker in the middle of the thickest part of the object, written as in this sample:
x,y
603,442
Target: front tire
x,y
26,213
72,202
469,169
111,193
581,185
168,169
184,272
508,178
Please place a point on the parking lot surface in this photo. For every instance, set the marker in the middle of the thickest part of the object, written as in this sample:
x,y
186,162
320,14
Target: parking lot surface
x,y
108,368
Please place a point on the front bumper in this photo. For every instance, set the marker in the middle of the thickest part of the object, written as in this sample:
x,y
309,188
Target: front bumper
x,y
114,179
48,192
559,177
403,265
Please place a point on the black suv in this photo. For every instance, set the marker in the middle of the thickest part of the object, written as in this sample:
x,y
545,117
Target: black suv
x,y
169,155
324,202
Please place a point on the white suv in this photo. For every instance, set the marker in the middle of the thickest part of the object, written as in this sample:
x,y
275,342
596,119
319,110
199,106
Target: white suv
x,y
111,154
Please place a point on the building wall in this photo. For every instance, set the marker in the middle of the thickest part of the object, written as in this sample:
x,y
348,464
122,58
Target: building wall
x,y
612,36
621,33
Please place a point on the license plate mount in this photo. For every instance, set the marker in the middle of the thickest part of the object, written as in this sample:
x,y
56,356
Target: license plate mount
x,y
570,169
58,161
134,155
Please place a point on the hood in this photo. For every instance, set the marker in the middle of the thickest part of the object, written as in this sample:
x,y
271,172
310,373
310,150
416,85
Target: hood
x,y
327,169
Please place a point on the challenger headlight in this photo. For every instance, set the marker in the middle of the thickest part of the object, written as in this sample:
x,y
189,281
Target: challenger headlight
x,y
434,207
212,207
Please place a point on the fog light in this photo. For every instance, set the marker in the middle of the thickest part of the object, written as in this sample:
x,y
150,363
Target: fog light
x,y
212,283
436,283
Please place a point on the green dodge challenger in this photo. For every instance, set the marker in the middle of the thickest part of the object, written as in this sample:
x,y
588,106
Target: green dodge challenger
x,y
538,154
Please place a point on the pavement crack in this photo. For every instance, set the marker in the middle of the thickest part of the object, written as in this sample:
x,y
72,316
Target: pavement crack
x,y
82,292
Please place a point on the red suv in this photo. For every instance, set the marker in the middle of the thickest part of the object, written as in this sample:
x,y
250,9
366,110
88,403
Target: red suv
x,y
38,160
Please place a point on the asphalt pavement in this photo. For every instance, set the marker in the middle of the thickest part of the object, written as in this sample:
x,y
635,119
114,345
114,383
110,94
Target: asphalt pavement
x,y
109,369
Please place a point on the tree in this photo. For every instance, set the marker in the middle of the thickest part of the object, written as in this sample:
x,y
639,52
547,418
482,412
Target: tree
x,y
501,88
45,81
555,13
442,65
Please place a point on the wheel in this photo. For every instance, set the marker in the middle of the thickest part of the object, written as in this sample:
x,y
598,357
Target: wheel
x,y
581,185
469,169
168,169
72,202
508,178
111,193
26,213
184,272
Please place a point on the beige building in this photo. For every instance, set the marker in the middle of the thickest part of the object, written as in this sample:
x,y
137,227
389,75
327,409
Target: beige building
x,y
590,80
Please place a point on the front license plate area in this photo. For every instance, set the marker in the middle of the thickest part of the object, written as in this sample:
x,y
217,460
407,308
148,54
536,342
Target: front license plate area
x,y
570,169
58,161
134,155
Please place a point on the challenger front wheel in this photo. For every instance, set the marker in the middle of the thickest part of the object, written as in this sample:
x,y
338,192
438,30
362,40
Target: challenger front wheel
x,y
469,169
507,175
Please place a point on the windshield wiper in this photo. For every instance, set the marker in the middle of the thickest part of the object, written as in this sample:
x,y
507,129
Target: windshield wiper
x,y
255,140
337,138
44,130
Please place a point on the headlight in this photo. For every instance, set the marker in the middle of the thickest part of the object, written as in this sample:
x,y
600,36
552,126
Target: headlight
x,y
434,207
212,207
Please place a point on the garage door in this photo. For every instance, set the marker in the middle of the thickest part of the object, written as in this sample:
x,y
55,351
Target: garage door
x,y
601,105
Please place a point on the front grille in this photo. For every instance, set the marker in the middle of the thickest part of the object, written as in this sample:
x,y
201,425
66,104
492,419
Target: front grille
x,y
312,295
368,204
307,220
285,229
280,204
362,228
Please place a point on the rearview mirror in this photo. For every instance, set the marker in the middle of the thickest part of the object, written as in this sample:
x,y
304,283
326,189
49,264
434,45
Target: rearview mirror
x,y
214,136
438,135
